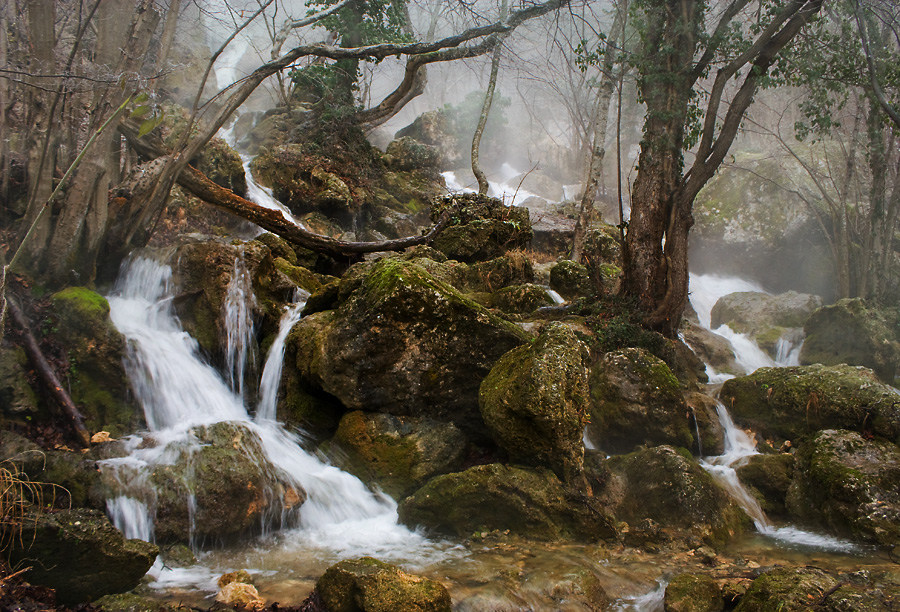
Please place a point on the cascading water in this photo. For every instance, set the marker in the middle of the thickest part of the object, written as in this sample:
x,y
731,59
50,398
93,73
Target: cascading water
x,y
178,391
271,376
239,338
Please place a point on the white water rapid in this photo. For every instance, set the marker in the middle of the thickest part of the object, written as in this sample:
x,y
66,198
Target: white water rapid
x,y
511,194
179,390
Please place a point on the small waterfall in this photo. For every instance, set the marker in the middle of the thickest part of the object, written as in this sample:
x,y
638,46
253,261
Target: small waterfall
x,y
738,447
238,315
271,376
787,349
179,390
556,297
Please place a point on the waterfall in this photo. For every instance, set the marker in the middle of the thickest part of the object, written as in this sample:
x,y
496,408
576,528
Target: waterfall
x,y
238,315
271,376
178,390
738,447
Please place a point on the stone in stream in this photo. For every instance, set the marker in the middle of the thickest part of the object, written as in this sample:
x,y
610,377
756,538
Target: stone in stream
x,y
636,400
80,554
767,478
400,454
855,332
787,403
369,585
401,342
528,502
788,589
848,485
693,593
535,402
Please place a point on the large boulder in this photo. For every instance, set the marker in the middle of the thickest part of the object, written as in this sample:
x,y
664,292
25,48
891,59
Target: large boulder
x,y
96,350
435,128
768,478
400,454
529,502
714,350
369,585
636,400
789,402
768,319
848,485
670,488
693,593
80,554
535,402
219,486
854,332
407,153
481,227
787,589
401,342
571,280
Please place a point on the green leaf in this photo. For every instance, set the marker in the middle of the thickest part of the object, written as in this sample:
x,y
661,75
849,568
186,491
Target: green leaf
x,y
139,112
148,126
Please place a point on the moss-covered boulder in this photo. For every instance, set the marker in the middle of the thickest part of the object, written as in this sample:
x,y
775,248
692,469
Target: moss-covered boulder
x,y
789,589
848,485
18,400
571,280
407,153
80,554
96,349
693,593
669,487
219,486
636,400
520,299
401,342
711,348
511,268
706,424
529,502
535,402
435,128
854,332
369,585
481,228
767,478
399,454
789,402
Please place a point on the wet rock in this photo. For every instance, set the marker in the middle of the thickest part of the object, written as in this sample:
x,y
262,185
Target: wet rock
x,y
789,402
768,478
848,485
403,343
752,312
96,350
482,228
512,268
787,589
636,400
81,555
521,299
571,280
223,166
705,417
17,398
400,454
369,585
434,128
861,598
131,602
535,402
407,153
241,596
527,502
232,484
711,348
669,487
693,593
856,333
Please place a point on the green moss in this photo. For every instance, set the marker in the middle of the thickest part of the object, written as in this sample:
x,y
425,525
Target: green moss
x,y
786,590
693,593
768,478
86,304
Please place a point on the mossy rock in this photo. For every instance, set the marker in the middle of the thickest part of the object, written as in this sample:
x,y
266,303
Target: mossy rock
x,y
399,454
369,585
18,399
768,478
529,502
787,589
131,602
669,487
96,350
229,481
693,593
223,166
636,400
521,299
848,485
535,402
571,280
789,402
856,333
403,343
512,268
482,228
406,153
752,312
872,597
705,416
81,555
711,348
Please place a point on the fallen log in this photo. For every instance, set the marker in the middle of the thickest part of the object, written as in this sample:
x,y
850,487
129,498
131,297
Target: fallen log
x,y
47,375
199,185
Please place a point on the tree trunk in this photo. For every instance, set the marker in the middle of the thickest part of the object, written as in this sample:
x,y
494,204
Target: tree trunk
x,y
485,111
601,125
